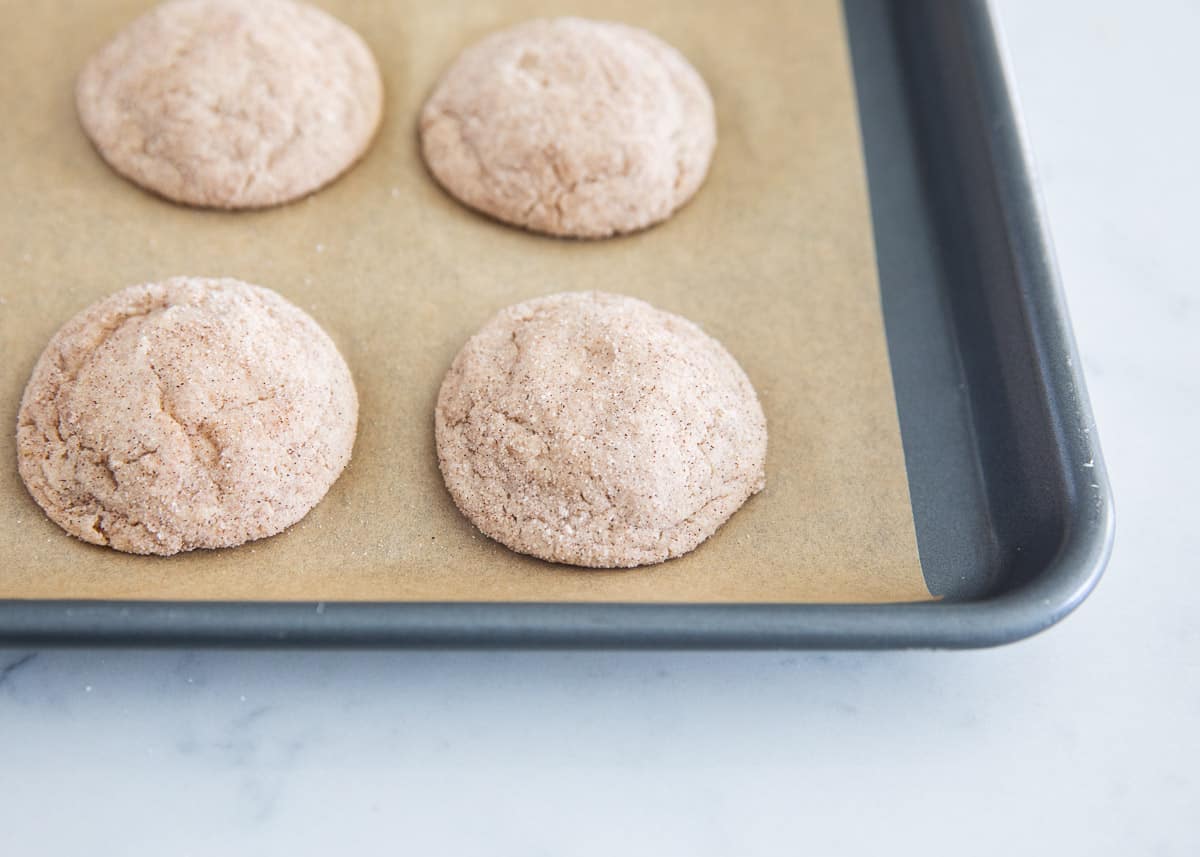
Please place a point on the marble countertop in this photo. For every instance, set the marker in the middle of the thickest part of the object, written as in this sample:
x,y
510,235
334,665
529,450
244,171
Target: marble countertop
x,y
1079,741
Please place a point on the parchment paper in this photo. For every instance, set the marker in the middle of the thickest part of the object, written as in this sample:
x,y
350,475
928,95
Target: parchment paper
x,y
774,257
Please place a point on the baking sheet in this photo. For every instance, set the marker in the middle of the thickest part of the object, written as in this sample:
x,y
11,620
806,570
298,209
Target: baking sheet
x,y
774,258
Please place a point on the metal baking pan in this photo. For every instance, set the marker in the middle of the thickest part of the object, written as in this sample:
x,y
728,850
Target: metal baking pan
x,y
1011,501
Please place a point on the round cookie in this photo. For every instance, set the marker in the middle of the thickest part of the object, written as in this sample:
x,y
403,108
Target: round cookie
x,y
192,413
571,127
593,429
231,104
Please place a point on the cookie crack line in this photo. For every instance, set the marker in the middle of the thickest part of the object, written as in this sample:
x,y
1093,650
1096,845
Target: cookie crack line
x,y
106,333
70,376
468,140
88,504
168,410
99,528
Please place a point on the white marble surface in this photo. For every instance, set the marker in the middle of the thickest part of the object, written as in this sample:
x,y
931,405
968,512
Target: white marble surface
x,y
1080,741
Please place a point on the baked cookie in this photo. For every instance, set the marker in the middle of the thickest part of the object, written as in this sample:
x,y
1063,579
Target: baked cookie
x,y
596,430
192,413
231,104
571,127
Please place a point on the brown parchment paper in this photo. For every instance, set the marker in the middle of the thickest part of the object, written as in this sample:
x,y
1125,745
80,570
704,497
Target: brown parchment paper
x,y
774,257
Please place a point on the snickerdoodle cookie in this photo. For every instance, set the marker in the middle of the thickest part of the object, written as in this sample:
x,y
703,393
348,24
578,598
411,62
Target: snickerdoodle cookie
x,y
596,430
571,127
192,413
231,104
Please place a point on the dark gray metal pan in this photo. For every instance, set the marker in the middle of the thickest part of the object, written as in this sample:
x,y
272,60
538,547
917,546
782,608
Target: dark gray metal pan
x,y
1011,500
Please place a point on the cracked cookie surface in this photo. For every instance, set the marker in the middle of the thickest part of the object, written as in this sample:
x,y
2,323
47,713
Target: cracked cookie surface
x,y
595,430
231,104
571,127
193,413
